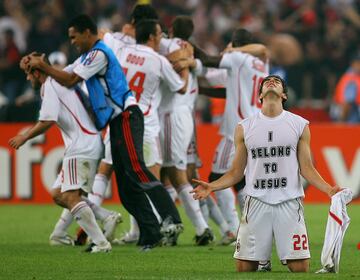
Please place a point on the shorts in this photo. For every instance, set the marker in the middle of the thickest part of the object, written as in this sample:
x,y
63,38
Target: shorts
x,y
192,153
108,158
261,223
177,129
152,151
224,156
76,173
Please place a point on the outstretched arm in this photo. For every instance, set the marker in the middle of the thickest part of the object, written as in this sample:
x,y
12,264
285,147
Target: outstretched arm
x,y
64,78
307,168
230,178
258,50
206,60
39,128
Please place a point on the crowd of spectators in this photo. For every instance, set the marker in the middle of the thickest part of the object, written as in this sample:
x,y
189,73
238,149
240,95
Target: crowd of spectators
x,y
326,31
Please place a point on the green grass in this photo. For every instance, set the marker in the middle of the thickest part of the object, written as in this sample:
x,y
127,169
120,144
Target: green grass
x,y
25,253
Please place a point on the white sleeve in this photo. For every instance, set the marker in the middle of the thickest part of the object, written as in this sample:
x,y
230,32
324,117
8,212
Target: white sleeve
x,y
109,40
50,106
70,68
199,70
234,59
164,46
170,77
94,63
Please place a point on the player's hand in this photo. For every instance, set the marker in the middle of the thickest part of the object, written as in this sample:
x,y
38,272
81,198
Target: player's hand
x,y
17,141
202,191
181,65
335,189
25,61
35,62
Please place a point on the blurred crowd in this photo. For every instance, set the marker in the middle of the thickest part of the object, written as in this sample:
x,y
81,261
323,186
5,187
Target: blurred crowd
x,y
311,41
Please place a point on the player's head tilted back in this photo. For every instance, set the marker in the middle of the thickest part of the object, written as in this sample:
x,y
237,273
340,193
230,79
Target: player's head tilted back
x,y
275,86
141,12
36,76
148,32
82,31
241,37
182,27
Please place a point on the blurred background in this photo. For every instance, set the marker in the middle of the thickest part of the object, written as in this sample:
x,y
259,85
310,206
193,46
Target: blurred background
x,y
312,42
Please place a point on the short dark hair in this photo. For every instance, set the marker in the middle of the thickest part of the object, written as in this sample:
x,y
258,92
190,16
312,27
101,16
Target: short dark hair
x,y
83,22
141,12
144,29
285,89
241,37
183,27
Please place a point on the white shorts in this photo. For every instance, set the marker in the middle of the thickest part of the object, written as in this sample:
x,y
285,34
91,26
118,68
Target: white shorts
x,y
192,153
177,128
261,223
76,173
108,158
224,156
152,151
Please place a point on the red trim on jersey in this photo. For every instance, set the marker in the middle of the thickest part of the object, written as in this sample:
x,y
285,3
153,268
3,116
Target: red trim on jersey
x,y
69,167
336,218
85,130
75,171
131,148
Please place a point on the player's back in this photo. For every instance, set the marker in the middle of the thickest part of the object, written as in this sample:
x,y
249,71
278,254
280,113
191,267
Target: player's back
x,y
143,70
173,101
79,133
245,73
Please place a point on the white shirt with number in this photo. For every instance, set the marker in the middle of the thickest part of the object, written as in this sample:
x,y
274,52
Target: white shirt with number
x,y
172,101
147,72
272,171
245,73
79,134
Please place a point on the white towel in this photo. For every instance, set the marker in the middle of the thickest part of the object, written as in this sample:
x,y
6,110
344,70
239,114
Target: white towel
x,y
337,223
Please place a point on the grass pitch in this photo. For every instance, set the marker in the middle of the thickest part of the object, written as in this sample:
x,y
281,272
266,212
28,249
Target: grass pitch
x,y
25,253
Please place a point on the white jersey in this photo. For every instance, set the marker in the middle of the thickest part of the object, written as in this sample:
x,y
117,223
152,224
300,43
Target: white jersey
x,y
173,101
79,134
245,73
146,71
216,77
272,171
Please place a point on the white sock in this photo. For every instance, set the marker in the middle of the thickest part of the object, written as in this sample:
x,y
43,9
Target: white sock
x,y
204,209
99,212
192,209
134,227
216,215
63,223
86,219
172,192
226,202
98,189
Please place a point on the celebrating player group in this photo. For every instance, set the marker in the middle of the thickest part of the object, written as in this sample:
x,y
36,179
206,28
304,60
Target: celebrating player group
x,y
141,88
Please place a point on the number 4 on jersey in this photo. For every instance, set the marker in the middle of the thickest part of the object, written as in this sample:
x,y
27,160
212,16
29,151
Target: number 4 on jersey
x,y
136,82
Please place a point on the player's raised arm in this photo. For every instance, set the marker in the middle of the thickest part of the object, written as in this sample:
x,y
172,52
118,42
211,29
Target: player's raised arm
x,y
307,168
230,178
257,50
64,78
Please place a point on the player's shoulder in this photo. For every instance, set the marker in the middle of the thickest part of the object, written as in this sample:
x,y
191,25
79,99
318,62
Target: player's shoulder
x,y
249,121
294,117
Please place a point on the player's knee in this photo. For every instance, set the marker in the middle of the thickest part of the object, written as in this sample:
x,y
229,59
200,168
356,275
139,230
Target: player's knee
x,y
245,266
299,265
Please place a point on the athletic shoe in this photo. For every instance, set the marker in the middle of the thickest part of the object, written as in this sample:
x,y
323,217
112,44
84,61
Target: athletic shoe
x,y
100,248
127,238
61,240
264,266
204,239
149,247
110,224
228,238
326,270
171,232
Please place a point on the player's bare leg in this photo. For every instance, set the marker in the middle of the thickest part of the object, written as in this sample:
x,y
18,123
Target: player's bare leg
x,y
299,265
246,266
